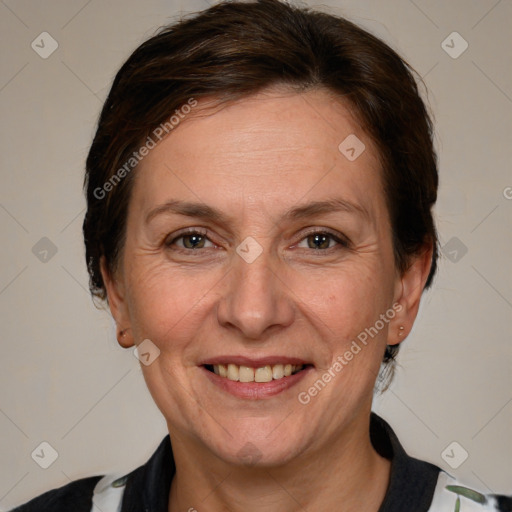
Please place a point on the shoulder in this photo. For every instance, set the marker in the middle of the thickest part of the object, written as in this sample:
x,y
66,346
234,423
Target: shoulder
x,y
451,495
76,496
144,488
422,486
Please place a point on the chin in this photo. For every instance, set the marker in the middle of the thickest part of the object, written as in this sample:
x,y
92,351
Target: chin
x,y
266,447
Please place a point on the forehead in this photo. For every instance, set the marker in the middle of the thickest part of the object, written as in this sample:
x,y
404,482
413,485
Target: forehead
x,y
272,148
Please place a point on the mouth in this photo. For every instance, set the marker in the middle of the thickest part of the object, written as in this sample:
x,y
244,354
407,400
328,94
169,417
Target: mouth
x,y
266,373
255,379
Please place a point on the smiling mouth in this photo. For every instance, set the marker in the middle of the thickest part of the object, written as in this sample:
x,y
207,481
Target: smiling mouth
x,y
267,373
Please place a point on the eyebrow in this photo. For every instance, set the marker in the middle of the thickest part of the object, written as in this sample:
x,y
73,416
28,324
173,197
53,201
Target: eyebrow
x,y
203,211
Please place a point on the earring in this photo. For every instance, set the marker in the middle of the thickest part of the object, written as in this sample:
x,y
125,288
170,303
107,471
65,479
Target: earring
x,y
121,334
401,330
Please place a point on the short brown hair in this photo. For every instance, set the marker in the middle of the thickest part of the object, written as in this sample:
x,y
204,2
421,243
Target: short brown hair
x,y
236,49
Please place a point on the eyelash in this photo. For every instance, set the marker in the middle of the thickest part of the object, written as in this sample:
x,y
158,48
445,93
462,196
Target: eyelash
x,y
340,239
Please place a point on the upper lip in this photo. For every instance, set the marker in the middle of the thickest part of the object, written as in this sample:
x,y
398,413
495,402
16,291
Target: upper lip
x,y
252,362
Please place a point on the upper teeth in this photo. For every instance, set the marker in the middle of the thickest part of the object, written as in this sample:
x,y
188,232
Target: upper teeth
x,y
261,374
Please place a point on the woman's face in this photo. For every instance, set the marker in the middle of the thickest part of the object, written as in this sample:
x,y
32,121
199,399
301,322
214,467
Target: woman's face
x,y
290,262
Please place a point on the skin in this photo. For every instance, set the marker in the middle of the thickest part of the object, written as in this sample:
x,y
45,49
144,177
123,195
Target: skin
x,y
254,160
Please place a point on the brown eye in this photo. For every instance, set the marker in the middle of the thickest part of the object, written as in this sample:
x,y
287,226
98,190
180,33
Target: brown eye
x,y
193,241
319,241
322,240
190,240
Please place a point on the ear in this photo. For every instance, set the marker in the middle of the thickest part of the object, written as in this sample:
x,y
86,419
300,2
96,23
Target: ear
x,y
118,307
408,292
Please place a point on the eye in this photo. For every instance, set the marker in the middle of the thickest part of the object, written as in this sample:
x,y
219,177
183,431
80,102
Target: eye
x,y
321,240
191,239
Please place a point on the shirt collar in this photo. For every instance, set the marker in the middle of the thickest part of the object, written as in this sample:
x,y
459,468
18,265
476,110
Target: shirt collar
x,y
412,482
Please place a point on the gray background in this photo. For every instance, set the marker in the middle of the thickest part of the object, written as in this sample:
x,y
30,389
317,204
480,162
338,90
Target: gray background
x,y
64,379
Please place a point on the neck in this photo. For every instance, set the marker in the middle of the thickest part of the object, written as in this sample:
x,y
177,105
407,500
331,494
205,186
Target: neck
x,y
347,472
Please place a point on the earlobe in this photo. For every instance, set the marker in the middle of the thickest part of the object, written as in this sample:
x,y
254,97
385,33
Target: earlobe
x,y
397,333
409,291
123,339
117,305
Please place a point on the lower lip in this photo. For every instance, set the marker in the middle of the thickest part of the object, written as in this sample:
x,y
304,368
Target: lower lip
x,y
256,390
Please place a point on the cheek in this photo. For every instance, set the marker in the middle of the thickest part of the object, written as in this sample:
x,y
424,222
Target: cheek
x,y
346,300
164,301
345,316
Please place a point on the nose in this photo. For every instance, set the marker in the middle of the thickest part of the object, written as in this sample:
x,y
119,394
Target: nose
x,y
255,299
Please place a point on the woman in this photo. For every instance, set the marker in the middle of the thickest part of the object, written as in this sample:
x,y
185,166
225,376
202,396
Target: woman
x,y
259,220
